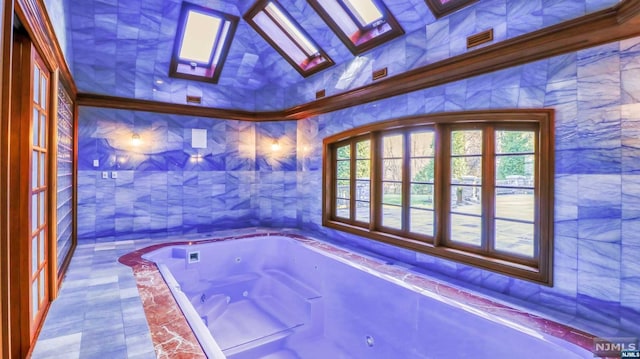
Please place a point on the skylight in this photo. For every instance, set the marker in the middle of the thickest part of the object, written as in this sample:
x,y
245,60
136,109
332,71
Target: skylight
x,y
440,8
271,21
360,24
202,43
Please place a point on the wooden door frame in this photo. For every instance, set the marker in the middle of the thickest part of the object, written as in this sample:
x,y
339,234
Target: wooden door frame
x,y
19,198
6,24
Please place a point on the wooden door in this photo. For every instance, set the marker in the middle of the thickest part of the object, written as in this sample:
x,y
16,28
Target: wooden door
x,y
39,191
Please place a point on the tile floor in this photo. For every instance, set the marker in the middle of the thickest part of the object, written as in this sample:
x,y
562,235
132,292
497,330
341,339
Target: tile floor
x,y
98,313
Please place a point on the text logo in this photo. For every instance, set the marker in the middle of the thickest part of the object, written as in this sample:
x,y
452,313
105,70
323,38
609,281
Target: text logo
x,y
616,347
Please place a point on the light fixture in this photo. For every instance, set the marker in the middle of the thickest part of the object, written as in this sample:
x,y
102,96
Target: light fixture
x,y
275,145
135,139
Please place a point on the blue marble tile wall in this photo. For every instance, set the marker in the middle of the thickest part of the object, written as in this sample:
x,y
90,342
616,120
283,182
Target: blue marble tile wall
x,y
124,48
164,185
596,97
426,41
58,11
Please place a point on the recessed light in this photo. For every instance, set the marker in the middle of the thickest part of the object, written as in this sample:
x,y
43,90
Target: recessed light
x,y
159,82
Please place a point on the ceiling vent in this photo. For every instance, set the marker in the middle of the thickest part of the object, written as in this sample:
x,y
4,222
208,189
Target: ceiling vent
x,y
379,74
194,99
479,38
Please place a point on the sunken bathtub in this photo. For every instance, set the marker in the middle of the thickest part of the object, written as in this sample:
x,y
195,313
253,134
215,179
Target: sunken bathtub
x,y
287,296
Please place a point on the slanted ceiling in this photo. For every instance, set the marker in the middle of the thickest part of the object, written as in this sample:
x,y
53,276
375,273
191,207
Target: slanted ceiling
x,y
123,48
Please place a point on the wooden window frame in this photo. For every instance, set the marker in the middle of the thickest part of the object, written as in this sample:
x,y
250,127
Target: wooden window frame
x,y
211,71
537,268
260,6
439,9
396,29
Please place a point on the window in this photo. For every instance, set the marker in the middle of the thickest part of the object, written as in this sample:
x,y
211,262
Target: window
x,y
280,30
473,187
202,43
361,25
440,8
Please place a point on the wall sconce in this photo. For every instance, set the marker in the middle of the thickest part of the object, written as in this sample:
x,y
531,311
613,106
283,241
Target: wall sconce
x,y
135,139
275,145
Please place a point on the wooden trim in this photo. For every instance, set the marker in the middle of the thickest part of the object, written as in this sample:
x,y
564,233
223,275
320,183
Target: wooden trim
x,y
258,7
217,68
396,29
628,11
584,32
18,200
6,55
121,103
439,9
35,19
537,269
52,185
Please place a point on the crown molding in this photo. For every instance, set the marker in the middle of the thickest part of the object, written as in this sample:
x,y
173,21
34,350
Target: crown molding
x,y
605,26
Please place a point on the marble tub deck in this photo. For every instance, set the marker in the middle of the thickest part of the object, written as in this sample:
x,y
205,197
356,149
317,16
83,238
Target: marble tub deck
x,y
106,309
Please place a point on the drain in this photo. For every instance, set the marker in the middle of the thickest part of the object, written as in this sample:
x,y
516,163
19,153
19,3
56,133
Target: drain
x,y
369,341
238,259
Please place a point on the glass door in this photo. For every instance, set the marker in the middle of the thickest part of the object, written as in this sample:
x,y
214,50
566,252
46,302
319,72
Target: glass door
x,y
39,190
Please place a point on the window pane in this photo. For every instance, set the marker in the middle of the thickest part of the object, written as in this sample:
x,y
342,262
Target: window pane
x,y
283,41
422,144
466,229
291,29
363,149
515,204
515,237
42,169
34,212
362,169
42,207
199,37
515,141
34,299
392,193
41,248
392,216
344,189
422,195
344,170
365,11
466,199
422,170
342,208
43,93
363,211
34,169
363,190
43,130
515,170
421,222
344,152
466,170
36,127
34,255
36,84
392,170
392,146
339,16
466,142
41,285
